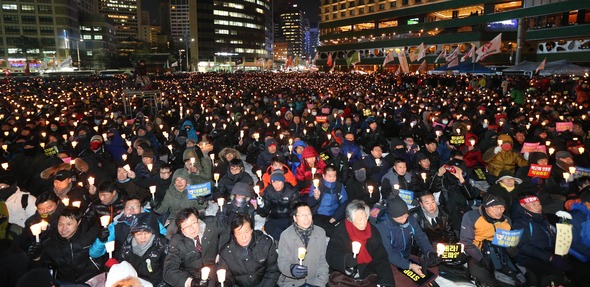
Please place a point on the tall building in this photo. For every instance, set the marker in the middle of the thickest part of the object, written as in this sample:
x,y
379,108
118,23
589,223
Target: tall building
x,y
549,29
292,30
41,31
221,32
311,40
125,16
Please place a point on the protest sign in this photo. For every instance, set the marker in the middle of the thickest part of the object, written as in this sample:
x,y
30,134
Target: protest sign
x,y
449,252
321,119
564,126
563,239
529,147
541,148
540,171
417,279
457,140
50,151
507,238
197,190
407,196
581,171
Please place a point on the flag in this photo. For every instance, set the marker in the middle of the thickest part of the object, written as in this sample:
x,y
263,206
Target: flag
x,y
418,53
490,48
422,67
297,60
329,62
389,58
27,68
403,61
289,62
453,58
354,59
442,55
541,66
471,54
67,62
316,57
332,70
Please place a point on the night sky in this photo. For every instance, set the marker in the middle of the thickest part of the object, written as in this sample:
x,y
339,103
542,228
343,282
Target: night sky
x,y
311,8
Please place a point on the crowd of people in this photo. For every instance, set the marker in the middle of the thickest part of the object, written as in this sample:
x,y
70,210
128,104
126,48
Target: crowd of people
x,y
276,179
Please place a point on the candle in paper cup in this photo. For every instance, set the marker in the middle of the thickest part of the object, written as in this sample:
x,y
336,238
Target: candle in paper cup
x,y
241,133
205,273
74,144
458,131
43,224
124,157
127,168
348,155
313,170
66,201
581,150
5,165
259,173
5,147
193,160
378,161
257,190
551,150
438,133
170,147
91,180
153,191
36,230
110,247
472,142
221,275
572,169
566,176
212,156
329,136
370,189
290,148
301,254
290,141
500,142
396,186
221,202
216,176
104,220
150,166
423,175
42,145
316,182
356,248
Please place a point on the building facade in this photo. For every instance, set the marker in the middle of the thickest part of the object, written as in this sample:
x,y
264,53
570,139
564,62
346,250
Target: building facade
x,y
125,16
292,30
552,29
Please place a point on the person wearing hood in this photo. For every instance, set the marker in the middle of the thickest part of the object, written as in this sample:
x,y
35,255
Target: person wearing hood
x,y
277,164
67,249
235,174
194,169
479,225
503,157
358,186
508,187
372,135
250,257
238,203
328,201
115,145
270,151
226,155
472,155
195,246
333,156
100,163
145,249
372,257
276,203
350,147
557,184
399,231
294,159
176,198
27,166
191,133
119,228
537,244
20,204
310,158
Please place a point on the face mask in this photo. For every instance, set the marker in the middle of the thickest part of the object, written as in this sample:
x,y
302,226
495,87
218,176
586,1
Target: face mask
x,y
95,145
485,126
445,122
97,122
314,113
506,147
240,202
53,129
360,175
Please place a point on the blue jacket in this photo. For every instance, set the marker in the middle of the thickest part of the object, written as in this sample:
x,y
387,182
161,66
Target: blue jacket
x,y
354,150
295,163
191,133
398,239
581,229
538,237
332,201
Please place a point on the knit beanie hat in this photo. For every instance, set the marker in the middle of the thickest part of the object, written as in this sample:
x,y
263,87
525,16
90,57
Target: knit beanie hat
x,y
396,207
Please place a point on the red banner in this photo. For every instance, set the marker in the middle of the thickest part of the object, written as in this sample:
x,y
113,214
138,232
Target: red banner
x,y
540,171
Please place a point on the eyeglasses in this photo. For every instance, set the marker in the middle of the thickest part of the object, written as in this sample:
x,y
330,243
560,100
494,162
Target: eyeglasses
x,y
192,225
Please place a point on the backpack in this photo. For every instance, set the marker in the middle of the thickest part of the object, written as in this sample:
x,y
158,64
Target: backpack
x,y
506,272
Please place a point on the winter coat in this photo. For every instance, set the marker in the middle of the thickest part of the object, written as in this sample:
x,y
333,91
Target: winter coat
x,y
184,261
289,176
150,266
441,232
340,247
97,209
227,182
315,258
359,190
277,204
254,265
537,242
398,239
407,181
581,229
303,175
175,200
508,196
332,201
504,160
477,227
375,173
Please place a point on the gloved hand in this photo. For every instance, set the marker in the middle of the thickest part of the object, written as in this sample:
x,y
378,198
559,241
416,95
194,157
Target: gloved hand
x,y
512,251
260,202
350,261
103,235
526,155
560,264
497,149
200,200
433,259
35,251
298,271
196,282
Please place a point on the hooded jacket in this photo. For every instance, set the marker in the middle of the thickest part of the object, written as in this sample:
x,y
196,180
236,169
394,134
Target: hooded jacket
x,y
191,133
175,199
477,227
303,175
289,176
227,182
537,242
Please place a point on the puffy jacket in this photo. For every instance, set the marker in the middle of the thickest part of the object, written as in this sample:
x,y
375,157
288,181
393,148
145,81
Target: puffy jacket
x,y
289,176
150,266
278,203
537,242
398,239
407,181
97,209
477,227
504,160
441,232
332,201
255,265
227,182
303,175
581,229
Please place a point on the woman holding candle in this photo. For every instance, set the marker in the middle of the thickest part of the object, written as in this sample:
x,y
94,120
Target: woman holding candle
x,y
310,161
358,186
371,258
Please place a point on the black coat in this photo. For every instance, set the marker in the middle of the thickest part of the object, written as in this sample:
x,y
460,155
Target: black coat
x,y
150,266
358,190
441,232
277,204
255,265
184,261
340,246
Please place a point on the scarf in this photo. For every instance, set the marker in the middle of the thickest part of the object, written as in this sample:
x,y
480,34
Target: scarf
x,y
64,192
361,236
304,234
139,249
509,189
429,215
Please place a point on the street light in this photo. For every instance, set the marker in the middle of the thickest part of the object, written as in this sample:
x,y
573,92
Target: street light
x,y
186,49
78,51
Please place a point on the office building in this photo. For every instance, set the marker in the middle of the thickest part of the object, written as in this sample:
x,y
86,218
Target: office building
x,y
292,30
125,16
549,29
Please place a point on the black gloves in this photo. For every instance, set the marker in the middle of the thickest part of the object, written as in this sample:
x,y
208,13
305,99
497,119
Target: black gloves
x,y
35,251
103,235
200,200
433,259
197,283
350,261
298,271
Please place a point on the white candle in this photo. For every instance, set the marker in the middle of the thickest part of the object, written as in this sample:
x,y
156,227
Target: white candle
x,y
124,157
566,176
104,220
257,190
472,142
212,156
91,180
221,202
396,186
66,201
581,150
378,161
500,142
43,224
259,174
221,276
551,150
216,176
370,188
313,170
110,247
127,168
153,191
423,175
356,248
74,144
205,273
572,169
349,155
36,230
5,165
547,143
301,254
316,183
150,166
